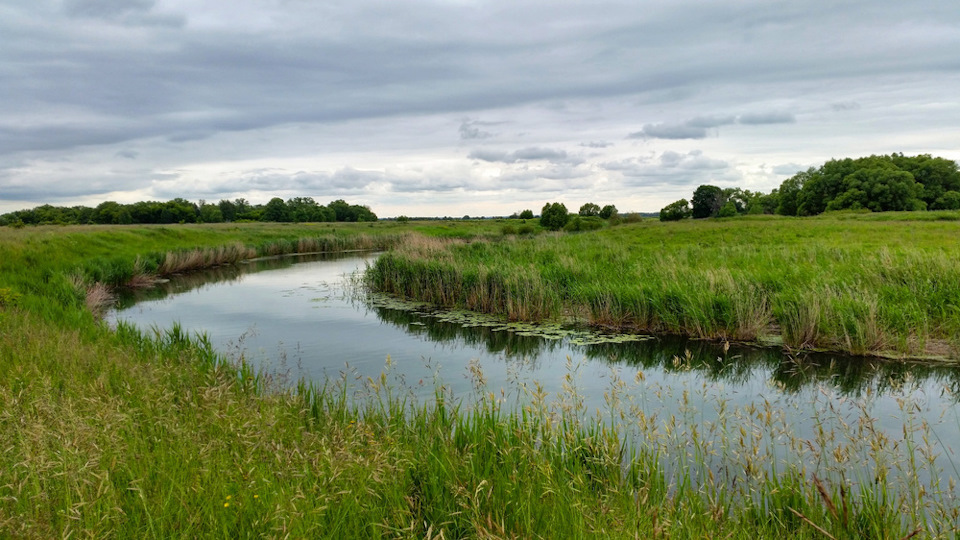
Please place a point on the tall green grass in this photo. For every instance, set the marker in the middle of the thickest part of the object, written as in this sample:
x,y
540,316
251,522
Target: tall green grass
x,y
127,434
859,286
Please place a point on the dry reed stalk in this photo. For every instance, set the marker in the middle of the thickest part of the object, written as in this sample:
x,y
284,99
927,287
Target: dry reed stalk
x,y
99,298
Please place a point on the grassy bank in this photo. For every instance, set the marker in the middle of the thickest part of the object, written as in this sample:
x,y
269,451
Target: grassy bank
x,y
847,283
118,434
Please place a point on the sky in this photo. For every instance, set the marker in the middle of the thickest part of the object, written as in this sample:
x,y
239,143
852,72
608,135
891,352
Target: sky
x,y
461,107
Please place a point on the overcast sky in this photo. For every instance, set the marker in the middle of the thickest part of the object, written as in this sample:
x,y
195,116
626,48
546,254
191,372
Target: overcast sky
x,y
460,107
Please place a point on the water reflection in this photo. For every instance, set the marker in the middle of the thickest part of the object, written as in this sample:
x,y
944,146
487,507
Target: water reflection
x,y
319,281
735,365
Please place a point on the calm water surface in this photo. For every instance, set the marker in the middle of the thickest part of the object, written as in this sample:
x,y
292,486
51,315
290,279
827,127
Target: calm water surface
x,y
301,317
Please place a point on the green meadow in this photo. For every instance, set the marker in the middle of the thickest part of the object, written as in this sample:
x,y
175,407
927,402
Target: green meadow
x,y
120,433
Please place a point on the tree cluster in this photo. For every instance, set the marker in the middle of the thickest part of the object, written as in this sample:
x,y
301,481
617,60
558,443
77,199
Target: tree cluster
x,y
297,209
875,183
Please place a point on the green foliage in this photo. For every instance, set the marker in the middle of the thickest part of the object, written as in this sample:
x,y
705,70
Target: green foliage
x,y
589,210
729,209
608,211
526,214
707,201
579,223
9,298
876,183
403,219
297,209
554,216
526,229
676,211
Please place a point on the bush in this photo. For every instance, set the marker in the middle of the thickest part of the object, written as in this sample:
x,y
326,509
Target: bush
x,y
508,230
580,223
526,229
729,209
554,216
676,211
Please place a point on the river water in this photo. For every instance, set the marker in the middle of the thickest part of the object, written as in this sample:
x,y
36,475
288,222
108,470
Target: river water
x,y
303,317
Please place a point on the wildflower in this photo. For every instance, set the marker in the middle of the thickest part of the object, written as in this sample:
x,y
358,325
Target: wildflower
x,y
226,504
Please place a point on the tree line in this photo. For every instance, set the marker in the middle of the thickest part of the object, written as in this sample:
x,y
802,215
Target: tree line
x,y
297,209
875,183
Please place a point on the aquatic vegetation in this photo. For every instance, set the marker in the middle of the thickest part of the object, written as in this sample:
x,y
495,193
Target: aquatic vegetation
x,y
860,286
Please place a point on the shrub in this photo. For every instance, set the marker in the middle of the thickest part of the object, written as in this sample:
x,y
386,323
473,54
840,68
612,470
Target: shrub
x,y
579,223
554,216
676,211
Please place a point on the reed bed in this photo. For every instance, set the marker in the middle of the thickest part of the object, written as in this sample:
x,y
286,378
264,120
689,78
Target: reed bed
x,y
862,287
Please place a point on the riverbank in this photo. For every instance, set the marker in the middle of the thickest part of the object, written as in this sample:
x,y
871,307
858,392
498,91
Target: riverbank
x,y
845,283
122,434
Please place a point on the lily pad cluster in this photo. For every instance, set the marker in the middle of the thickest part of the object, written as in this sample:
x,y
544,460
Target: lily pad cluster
x,y
555,331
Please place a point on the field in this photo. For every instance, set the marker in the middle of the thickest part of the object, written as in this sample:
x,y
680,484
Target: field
x,y
848,283
118,434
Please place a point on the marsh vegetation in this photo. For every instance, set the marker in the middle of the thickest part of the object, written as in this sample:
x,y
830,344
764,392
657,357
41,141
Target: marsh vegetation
x,y
132,433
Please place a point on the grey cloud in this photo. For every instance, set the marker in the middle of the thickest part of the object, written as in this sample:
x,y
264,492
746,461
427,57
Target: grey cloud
x,y
471,130
755,119
711,121
126,12
672,168
524,154
696,128
845,106
596,144
669,131
127,154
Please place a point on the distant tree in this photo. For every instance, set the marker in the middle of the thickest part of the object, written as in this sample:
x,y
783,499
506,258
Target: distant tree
x,y
304,209
179,210
107,212
676,211
729,209
880,190
342,211
228,210
363,213
739,197
608,211
403,219
210,213
790,191
707,201
948,201
276,210
589,209
526,214
936,175
554,216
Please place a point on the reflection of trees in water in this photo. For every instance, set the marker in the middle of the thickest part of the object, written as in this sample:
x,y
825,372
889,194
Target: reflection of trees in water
x,y
182,283
847,374
739,364
509,344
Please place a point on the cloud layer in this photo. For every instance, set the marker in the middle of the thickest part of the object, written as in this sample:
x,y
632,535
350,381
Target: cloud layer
x,y
459,107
